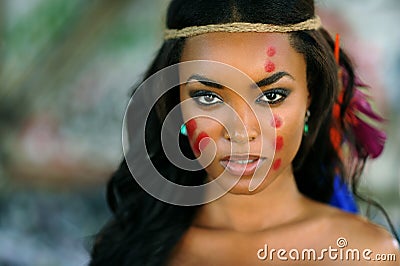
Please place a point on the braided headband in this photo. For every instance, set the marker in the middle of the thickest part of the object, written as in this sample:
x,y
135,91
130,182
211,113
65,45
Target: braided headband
x,y
310,24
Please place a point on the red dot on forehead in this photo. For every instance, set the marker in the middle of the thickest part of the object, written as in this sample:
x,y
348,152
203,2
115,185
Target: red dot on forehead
x,y
276,164
269,66
271,51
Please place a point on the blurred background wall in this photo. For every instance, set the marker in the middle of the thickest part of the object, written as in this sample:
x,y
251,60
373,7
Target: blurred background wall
x,y
66,69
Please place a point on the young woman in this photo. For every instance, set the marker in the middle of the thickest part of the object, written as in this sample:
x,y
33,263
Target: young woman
x,y
296,133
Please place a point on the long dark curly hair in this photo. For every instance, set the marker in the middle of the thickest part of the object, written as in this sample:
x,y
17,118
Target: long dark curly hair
x,y
144,230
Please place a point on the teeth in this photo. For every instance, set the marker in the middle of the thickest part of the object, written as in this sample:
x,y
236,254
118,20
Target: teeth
x,y
243,161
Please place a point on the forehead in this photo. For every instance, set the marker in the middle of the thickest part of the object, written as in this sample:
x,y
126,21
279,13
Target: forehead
x,y
248,52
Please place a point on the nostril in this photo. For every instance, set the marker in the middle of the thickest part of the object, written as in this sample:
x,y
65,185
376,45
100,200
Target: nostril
x,y
240,137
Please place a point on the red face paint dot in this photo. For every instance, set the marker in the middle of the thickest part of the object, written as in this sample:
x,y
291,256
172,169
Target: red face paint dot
x,y
279,143
269,66
204,143
191,127
200,145
276,121
271,51
277,164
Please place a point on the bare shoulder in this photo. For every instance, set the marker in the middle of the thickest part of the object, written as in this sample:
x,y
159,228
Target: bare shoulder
x,y
355,232
364,233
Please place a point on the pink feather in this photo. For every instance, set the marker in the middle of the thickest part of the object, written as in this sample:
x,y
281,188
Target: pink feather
x,y
364,119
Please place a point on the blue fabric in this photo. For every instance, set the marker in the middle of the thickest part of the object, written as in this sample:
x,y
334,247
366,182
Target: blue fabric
x,y
342,197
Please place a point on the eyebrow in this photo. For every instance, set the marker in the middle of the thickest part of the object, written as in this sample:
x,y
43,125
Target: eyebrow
x,y
264,82
205,81
273,78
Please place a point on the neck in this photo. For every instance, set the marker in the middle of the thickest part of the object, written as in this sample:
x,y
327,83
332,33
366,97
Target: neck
x,y
279,203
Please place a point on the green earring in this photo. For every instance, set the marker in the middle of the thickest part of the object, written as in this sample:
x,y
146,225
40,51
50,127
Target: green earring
x,y
306,123
183,130
306,129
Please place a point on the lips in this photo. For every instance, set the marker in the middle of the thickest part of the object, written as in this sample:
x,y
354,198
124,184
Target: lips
x,y
240,165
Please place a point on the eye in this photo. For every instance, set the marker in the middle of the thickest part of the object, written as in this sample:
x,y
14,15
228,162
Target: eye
x,y
273,96
205,97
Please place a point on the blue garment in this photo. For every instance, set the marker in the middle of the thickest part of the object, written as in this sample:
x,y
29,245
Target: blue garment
x,y
342,197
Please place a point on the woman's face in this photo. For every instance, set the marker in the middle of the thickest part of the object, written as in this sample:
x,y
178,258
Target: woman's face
x,y
256,130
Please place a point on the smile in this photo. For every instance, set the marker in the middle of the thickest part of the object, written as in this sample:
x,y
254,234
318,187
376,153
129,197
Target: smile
x,y
242,165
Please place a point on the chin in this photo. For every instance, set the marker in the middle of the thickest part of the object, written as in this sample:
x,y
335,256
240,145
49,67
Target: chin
x,y
242,186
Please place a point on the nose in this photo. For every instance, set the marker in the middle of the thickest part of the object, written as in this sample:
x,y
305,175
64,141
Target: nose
x,y
243,125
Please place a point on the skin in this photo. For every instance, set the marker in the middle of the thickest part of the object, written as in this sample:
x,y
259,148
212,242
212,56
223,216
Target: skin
x,y
269,65
191,127
271,51
201,142
289,114
277,121
231,229
279,143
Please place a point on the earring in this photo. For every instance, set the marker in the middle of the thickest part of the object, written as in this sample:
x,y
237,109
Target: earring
x,y
306,122
183,130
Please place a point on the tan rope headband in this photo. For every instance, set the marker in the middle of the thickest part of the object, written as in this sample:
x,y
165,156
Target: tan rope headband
x,y
310,24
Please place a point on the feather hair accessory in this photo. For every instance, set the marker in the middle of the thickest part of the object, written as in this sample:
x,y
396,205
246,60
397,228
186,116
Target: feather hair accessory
x,y
361,116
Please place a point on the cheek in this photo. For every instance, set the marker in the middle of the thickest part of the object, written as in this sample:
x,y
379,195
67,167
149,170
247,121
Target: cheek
x,y
287,144
287,141
276,164
201,142
191,126
276,121
200,132
279,142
